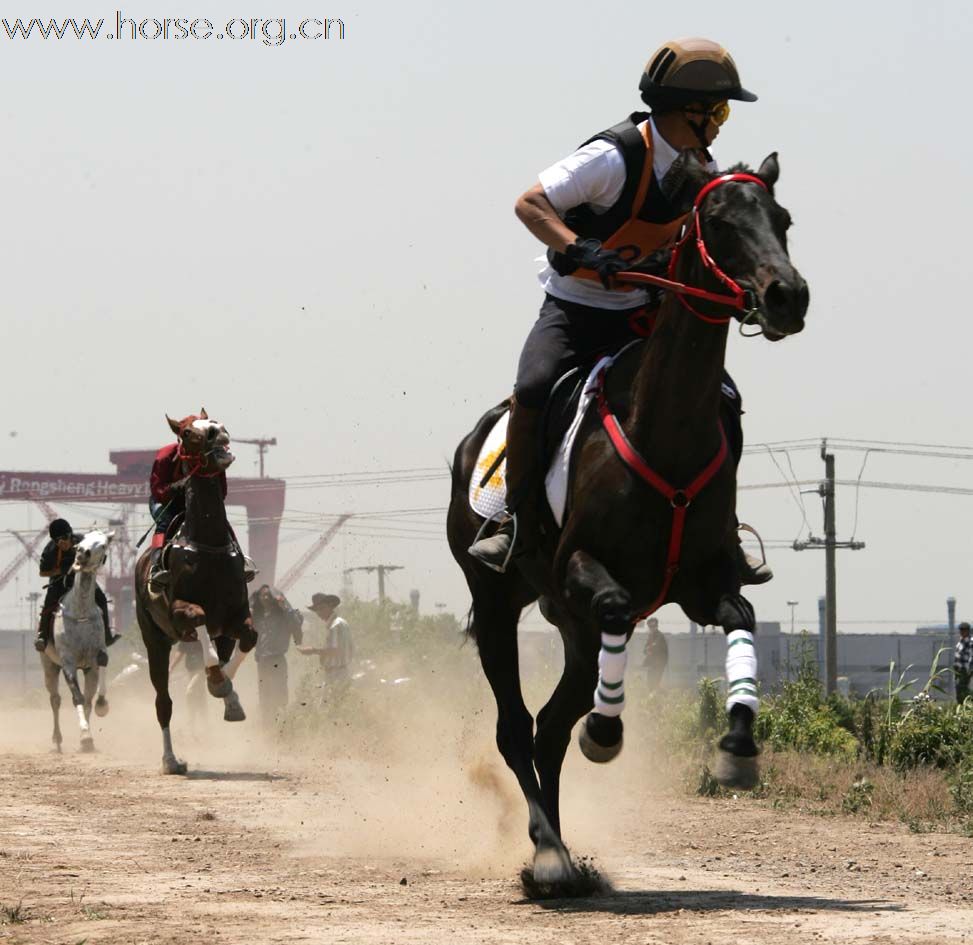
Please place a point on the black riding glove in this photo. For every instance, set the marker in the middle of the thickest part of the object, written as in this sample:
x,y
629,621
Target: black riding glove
x,y
590,254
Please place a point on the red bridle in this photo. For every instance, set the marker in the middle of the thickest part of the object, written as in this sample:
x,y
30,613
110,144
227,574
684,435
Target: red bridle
x,y
195,461
739,298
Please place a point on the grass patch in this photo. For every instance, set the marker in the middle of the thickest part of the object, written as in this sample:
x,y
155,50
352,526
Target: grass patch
x,y
13,915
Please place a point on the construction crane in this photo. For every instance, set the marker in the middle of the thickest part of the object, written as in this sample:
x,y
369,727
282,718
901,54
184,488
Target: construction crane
x,y
291,577
262,443
30,545
29,551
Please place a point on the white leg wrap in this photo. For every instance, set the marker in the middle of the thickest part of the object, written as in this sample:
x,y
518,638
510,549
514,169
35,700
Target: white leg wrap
x,y
82,720
167,743
210,657
610,691
741,670
102,681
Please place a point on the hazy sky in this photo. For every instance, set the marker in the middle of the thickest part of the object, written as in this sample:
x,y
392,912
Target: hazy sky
x,y
317,242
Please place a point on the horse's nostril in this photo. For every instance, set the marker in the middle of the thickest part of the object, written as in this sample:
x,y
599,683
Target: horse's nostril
x,y
803,297
781,297
775,295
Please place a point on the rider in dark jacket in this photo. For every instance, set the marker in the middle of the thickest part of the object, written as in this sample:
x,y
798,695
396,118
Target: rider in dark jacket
x,y
56,561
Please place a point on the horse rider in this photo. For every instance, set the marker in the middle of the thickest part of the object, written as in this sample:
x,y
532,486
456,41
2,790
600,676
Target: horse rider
x,y
581,207
167,499
56,561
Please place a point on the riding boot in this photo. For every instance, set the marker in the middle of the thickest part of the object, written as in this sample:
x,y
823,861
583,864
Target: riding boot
x,y
44,630
752,570
522,461
102,603
158,578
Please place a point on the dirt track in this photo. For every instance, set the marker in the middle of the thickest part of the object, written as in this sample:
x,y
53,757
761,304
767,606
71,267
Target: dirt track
x,y
253,847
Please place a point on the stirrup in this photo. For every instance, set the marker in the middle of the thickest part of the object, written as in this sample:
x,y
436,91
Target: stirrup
x,y
158,579
499,568
250,569
744,527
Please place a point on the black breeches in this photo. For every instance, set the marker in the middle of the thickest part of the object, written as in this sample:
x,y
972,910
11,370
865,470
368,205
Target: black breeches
x,y
565,336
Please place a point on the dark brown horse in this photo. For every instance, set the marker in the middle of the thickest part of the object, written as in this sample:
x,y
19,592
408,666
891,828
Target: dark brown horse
x,y
612,561
206,585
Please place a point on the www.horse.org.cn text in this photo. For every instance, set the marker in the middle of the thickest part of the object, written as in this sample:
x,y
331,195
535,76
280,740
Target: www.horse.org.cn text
x,y
266,32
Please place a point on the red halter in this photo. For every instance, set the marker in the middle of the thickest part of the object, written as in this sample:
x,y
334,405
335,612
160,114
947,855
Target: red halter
x,y
740,298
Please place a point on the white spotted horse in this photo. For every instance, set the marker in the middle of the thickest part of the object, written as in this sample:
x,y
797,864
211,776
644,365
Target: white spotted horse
x,y
206,594
651,505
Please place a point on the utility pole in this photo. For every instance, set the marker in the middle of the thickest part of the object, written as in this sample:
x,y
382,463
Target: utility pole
x,y
382,569
262,443
830,544
33,597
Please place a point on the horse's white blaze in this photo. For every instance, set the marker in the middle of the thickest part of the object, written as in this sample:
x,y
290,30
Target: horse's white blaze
x,y
741,670
610,691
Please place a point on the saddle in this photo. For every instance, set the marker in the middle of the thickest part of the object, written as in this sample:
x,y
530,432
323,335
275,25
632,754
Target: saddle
x,y
564,412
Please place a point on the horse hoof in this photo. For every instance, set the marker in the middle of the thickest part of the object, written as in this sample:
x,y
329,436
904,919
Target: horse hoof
x,y
101,706
173,766
737,771
87,745
552,865
600,738
219,686
234,713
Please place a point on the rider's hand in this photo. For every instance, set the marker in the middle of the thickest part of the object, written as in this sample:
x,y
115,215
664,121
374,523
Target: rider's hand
x,y
590,254
177,489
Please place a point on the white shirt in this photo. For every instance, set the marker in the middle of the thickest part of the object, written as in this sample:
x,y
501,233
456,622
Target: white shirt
x,y
595,175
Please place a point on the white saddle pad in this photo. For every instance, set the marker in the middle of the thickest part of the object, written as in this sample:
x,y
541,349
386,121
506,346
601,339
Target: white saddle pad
x,y
488,498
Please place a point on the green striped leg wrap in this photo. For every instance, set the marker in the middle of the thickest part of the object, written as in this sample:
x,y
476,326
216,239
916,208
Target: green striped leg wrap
x,y
741,670
610,691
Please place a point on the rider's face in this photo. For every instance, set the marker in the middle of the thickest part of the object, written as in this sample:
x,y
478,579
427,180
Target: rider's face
x,y
714,116
65,543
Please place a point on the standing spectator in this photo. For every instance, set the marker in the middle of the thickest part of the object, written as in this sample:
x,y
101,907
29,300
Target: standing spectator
x,y
276,623
336,650
963,663
656,654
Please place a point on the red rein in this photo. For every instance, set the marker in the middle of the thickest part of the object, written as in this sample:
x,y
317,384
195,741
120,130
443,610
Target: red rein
x,y
739,298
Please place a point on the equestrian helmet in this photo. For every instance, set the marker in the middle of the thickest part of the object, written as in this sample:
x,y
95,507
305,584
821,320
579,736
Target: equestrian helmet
x,y
684,71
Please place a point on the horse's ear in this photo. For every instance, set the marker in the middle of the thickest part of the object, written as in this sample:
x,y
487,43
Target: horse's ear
x,y
684,180
203,415
769,171
173,425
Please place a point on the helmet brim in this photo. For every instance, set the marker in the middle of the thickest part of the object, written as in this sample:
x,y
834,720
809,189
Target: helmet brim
x,y
742,95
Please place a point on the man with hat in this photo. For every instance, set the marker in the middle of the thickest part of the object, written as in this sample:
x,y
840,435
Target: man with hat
x,y
338,650
56,561
963,663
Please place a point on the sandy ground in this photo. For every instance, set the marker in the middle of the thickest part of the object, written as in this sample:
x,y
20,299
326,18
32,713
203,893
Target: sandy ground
x,y
395,839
